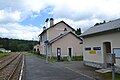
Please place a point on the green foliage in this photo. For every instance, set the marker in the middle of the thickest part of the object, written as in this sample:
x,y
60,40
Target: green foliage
x,y
38,53
1,52
28,54
4,54
77,58
100,23
41,56
64,59
16,44
78,31
53,59
74,58
109,75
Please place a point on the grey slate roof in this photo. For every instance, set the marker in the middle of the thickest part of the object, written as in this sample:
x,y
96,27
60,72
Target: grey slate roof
x,y
102,27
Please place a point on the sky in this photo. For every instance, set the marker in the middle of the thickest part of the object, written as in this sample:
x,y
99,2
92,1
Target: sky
x,y
24,19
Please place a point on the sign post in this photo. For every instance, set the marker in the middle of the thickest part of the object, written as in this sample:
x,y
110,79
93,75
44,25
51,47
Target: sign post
x,y
46,43
33,44
113,66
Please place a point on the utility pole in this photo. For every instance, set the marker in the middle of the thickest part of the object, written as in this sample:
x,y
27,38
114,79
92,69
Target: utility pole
x,y
46,44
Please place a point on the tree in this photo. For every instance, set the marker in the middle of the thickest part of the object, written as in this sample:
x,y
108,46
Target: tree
x,y
16,44
100,23
78,31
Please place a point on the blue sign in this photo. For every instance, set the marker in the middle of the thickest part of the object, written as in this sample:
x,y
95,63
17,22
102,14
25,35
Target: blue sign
x,y
46,42
87,48
96,48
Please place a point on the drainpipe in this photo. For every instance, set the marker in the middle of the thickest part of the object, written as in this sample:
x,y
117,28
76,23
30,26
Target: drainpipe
x,y
46,42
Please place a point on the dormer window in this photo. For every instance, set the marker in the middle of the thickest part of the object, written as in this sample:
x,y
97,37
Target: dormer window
x,y
65,29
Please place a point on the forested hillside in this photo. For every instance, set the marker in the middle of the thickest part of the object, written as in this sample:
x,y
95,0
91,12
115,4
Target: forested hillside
x,y
16,44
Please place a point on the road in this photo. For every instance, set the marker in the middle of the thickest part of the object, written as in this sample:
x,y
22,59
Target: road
x,y
37,69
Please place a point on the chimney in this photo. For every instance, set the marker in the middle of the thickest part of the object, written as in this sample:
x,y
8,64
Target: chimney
x,y
51,22
44,28
46,22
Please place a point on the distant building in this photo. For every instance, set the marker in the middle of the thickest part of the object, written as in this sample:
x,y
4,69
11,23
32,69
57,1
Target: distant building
x,y
36,48
4,50
60,39
100,42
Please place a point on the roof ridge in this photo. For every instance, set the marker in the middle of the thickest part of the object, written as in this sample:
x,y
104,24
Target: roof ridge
x,y
56,24
62,35
102,27
108,22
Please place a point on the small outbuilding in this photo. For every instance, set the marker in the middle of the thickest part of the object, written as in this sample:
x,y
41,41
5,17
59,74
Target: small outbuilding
x,y
36,48
100,42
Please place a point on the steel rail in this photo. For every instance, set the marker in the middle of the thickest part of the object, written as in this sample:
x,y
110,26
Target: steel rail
x,y
15,67
22,68
9,62
8,57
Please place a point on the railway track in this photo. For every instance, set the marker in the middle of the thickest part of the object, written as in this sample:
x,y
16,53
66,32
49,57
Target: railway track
x,y
6,58
10,68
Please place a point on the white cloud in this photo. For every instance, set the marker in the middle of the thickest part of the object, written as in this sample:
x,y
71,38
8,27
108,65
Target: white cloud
x,y
85,13
14,11
17,10
8,16
18,31
34,5
75,10
77,13
86,9
83,24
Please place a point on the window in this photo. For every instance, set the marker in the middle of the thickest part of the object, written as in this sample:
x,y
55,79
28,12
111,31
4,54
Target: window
x,y
70,52
65,29
117,52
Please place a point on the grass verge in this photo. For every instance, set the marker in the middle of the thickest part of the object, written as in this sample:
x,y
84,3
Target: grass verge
x,y
109,75
5,54
54,59
28,54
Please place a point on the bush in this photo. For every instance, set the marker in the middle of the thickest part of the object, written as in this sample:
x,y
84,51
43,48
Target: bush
x,y
64,59
1,52
77,58
52,59
38,53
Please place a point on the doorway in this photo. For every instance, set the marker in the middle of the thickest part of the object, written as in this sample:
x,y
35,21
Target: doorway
x,y
106,53
70,52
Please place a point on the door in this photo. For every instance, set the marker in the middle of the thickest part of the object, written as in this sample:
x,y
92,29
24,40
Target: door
x,y
58,54
106,53
70,52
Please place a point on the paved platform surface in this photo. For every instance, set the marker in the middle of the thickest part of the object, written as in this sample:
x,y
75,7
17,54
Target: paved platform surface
x,y
78,67
37,69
